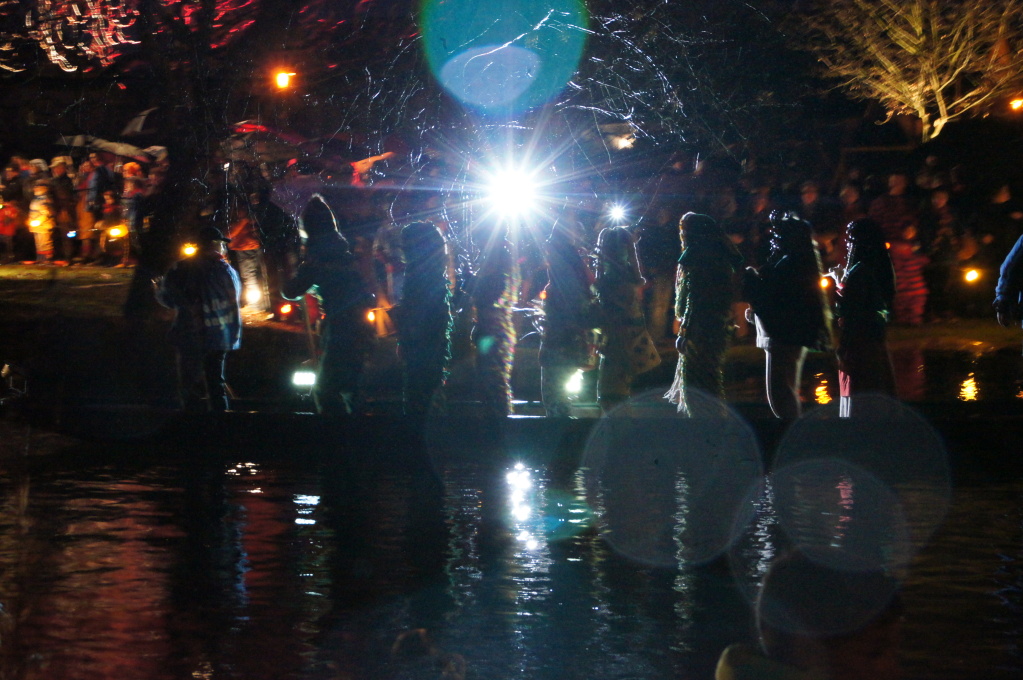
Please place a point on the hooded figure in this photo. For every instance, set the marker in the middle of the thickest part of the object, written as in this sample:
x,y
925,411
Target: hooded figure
x,y
329,271
626,349
789,309
865,296
494,295
704,293
423,318
569,317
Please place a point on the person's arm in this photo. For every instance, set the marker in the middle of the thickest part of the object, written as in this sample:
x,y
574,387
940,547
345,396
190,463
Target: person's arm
x,y
300,285
1008,289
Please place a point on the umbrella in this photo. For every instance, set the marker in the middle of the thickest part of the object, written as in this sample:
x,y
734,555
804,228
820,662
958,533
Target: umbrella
x,y
116,148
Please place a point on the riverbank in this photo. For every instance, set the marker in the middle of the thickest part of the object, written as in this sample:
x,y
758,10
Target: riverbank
x,y
65,327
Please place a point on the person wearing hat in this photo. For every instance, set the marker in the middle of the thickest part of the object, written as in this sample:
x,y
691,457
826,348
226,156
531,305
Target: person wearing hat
x,y
329,271
63,191
205,291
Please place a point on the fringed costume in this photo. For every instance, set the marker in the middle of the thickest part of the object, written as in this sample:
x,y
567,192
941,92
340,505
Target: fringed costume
x,y
704,293
626,349
494,295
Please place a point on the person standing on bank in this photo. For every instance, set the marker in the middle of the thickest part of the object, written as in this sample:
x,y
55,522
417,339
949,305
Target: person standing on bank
x,y
423,318
704,292
626,349
789,310
866,293
204,290
329,270
570,314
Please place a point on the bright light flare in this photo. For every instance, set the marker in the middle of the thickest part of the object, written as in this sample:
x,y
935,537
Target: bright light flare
x,y
971,276
1016,104
371,316
35,223
825,282
617,213
303,378
286,309
575,383
283,79
253,296
117,232
512,193
189,249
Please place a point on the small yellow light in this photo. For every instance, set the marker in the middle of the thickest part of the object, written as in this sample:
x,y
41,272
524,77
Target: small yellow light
x,y
117,232
825,282
189,249
283,79
35,223
286,309
371,316
971,276
1016,104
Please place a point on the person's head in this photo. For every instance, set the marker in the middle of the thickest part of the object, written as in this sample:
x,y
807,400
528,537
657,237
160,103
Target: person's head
x,y
909,232
809,192
616,254
11,171
317,218
211,240
60,166
849,194
97,159
790,234
939,198
897,183
421,241
85,168
39,167
694,228
844,622
1001,194
131,169
109,197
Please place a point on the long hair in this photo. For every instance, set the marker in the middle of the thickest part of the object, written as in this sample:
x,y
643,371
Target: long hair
x,y
867,247
617,262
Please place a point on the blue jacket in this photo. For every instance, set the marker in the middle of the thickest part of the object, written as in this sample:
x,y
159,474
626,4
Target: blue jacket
x,y
205,291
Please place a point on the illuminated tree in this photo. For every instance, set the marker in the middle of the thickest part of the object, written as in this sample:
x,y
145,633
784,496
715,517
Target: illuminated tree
x,y
937,60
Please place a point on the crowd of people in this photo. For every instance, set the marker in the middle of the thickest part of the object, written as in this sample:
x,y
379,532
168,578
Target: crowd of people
x,y
94,213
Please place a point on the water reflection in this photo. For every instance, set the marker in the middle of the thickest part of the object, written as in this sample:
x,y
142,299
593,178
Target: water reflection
x,y
381,571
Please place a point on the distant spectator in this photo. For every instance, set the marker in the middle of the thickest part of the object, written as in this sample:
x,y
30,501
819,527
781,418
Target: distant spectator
x,y
42,219
910,284
941,234
895,210
88,238
64,205
246,253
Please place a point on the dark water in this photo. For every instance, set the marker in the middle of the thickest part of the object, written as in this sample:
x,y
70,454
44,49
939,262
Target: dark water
x,y
395,565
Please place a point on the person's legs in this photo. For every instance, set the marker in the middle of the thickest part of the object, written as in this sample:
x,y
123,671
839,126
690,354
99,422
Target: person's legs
x,y
216,385
190,377
784,370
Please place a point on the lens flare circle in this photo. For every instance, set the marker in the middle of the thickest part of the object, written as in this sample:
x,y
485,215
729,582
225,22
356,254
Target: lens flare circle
x,y
502,58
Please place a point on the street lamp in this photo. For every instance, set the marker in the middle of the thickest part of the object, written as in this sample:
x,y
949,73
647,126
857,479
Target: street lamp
x,y
1016,104
283,79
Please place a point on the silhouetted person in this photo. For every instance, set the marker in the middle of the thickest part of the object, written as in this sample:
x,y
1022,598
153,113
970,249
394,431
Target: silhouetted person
x,y
704,292
570,314
789,310
494,295
330,271
423,319
1009,291
626,349
205,291
866,291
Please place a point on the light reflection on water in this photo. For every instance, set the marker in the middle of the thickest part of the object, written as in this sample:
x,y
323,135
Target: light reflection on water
x,y
157,572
